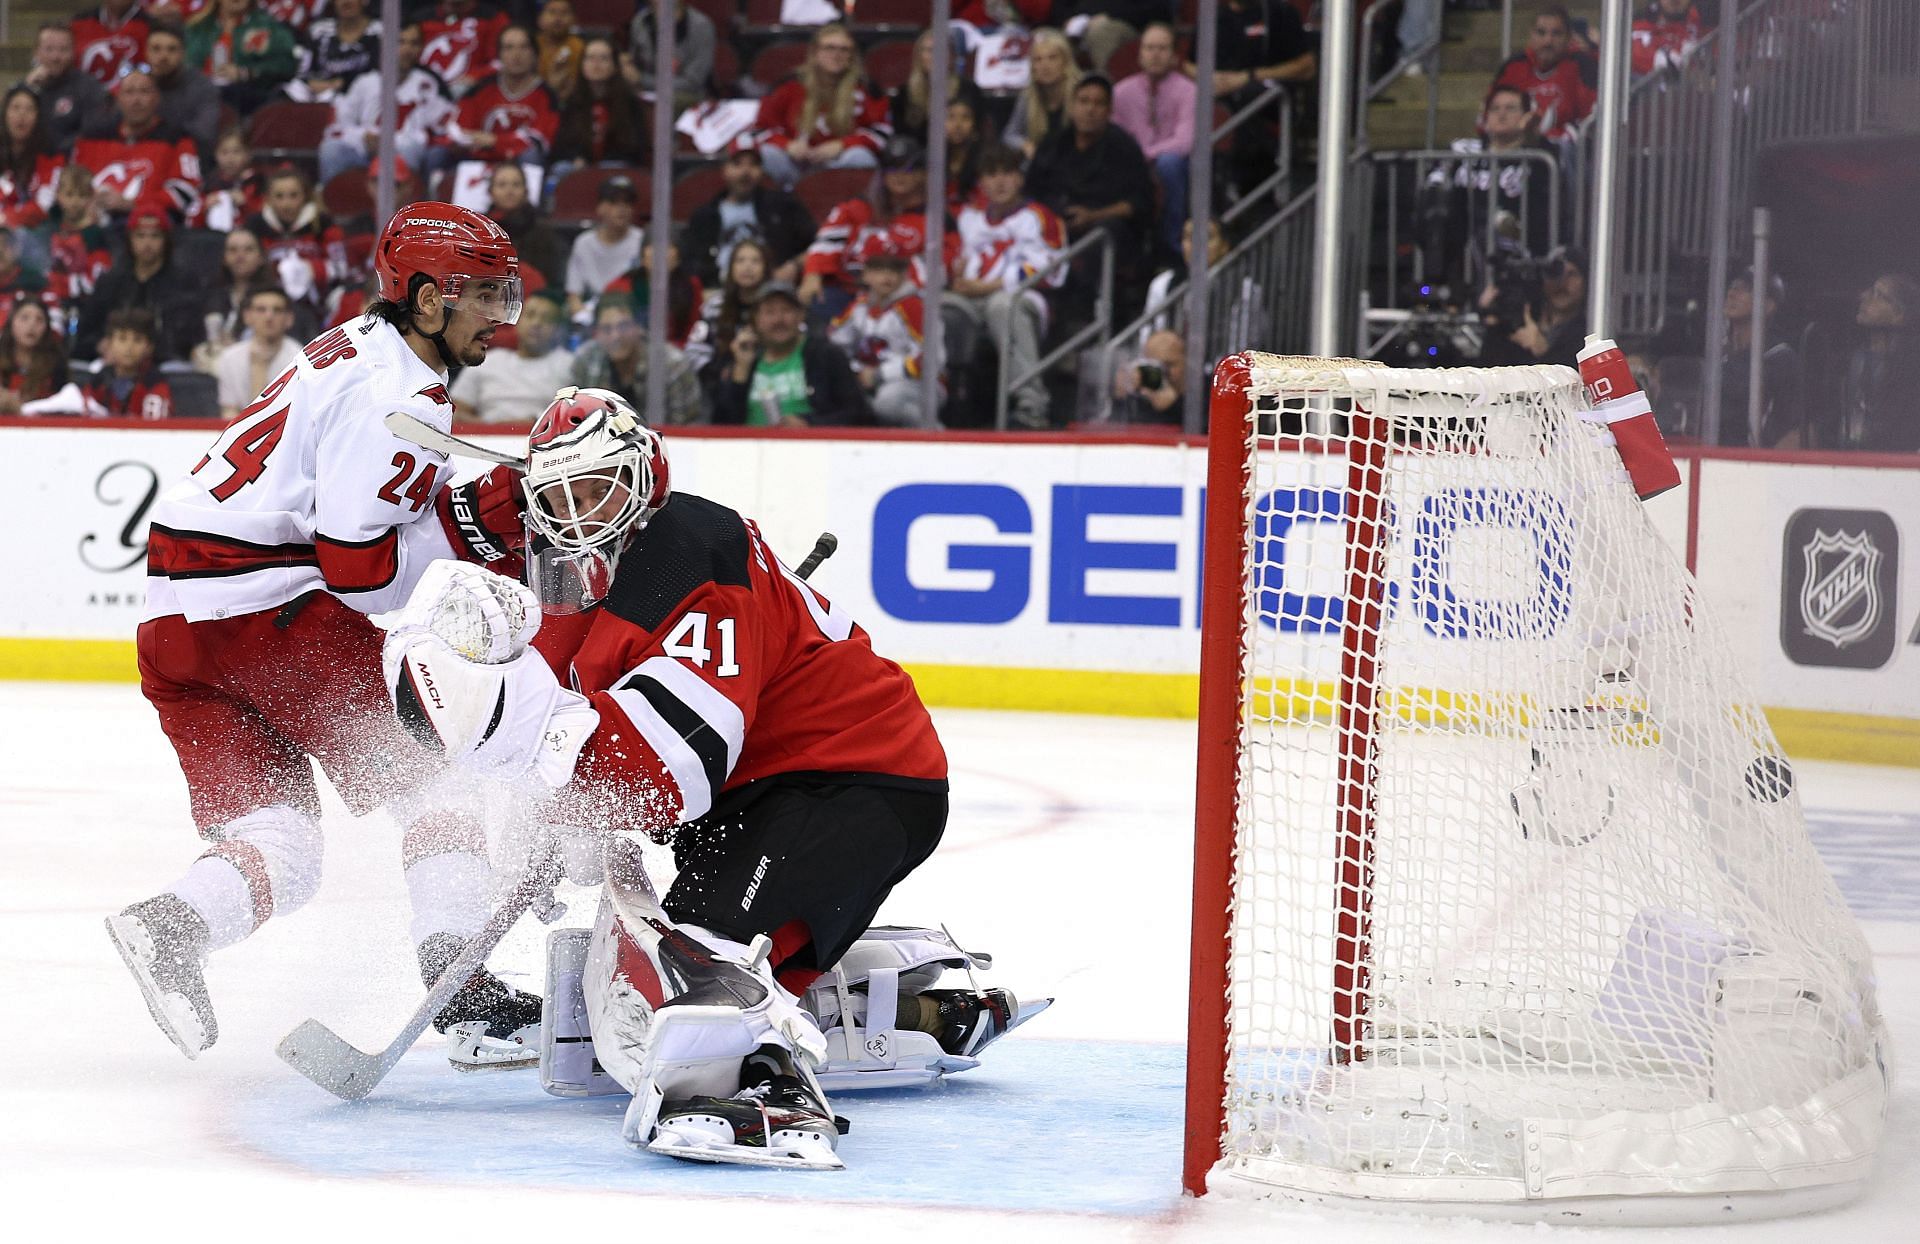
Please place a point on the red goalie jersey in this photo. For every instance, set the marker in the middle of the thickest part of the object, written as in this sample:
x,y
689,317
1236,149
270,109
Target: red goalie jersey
x,y
712,665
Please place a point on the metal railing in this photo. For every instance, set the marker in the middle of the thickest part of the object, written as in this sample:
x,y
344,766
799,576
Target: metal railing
x,y
1427,55
1102,317
1801,70
1279,184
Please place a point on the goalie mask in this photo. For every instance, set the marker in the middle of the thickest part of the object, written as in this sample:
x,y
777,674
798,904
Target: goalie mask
x,y
595,475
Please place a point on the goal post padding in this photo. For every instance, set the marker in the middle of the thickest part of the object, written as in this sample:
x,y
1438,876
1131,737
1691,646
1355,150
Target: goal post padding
x,y
1503,894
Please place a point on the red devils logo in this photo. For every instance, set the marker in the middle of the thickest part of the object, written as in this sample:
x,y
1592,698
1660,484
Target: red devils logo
x,y
103,58
255,43
506,117
125,178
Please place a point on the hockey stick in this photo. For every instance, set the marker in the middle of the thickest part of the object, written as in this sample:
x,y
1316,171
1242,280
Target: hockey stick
x,y
349,1073
425,435
823,548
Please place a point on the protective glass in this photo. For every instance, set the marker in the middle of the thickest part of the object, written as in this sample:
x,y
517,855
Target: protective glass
x,y
493,298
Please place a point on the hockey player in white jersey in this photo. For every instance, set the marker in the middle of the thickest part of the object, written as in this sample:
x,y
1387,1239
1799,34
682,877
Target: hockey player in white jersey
x,y
263,564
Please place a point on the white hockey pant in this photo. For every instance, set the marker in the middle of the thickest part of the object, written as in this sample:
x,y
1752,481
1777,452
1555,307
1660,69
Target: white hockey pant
x,y
263,864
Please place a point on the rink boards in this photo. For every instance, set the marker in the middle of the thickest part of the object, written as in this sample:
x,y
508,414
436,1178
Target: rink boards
x,y
1063,573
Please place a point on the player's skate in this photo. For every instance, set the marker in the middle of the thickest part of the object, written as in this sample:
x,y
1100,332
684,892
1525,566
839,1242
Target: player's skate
x,y
164,943
489,1025
778,1118
887,1028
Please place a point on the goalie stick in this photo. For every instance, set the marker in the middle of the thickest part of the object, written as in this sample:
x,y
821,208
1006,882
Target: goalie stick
x,y
350,1073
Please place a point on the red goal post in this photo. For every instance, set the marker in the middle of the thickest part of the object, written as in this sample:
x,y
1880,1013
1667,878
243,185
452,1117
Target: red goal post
x,y
1503,899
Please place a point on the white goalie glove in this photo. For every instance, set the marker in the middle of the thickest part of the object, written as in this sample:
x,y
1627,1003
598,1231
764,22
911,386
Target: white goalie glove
x,y
464,683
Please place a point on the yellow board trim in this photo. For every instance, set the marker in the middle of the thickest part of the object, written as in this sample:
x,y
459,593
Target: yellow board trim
x,y
1804,733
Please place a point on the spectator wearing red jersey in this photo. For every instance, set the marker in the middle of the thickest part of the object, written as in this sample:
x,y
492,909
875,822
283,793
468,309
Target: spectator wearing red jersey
x,y
28,167
462,42
511,115
110,40
892,218
600,121
33,362
826,116
296,15
146,278
1665,34
70,98
127,385
247,52
78,250
304,247
1559,83
139,159
236,188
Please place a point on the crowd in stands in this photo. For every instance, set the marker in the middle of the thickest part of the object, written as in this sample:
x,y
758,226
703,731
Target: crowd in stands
x,y
187,194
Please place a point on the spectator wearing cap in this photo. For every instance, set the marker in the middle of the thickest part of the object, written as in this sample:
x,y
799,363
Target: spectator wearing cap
x,y
71,99
246,51
616,359
883,333
605,251
144,278
1156,106
782,376
1779,425
519,382
693,42
1877,408
748,206
1093,176
826,116
245,367
891,218
422,107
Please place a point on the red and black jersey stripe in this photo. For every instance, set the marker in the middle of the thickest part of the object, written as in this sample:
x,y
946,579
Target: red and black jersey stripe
x,y
203,555
359,565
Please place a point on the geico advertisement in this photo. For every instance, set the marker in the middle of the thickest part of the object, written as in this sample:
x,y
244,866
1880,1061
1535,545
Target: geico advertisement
x,y
1816,571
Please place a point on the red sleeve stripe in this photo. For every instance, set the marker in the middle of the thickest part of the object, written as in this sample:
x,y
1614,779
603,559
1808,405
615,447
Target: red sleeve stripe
x,y
248,861
359,565
200,555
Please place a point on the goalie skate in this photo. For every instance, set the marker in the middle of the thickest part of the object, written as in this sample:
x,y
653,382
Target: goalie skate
x,y
164,944
777,1121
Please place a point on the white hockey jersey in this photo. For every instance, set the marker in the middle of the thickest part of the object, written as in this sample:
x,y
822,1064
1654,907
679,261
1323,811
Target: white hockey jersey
x,y
890,337
422,107
1013,247
306,490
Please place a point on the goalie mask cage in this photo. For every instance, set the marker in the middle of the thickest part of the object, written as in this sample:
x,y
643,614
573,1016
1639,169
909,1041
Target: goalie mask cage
x,y
1504,902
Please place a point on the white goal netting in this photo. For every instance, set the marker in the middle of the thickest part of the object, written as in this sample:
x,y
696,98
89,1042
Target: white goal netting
x,y
1523,904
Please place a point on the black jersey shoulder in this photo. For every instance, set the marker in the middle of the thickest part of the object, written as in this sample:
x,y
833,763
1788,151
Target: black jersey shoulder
x,y
690,543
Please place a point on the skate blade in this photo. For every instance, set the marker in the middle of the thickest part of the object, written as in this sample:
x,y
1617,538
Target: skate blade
x,y
178,1022
469,1049
1027,1011
668,1145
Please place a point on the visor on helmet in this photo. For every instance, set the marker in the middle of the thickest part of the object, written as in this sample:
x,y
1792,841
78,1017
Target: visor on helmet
x,y
572,581
493,298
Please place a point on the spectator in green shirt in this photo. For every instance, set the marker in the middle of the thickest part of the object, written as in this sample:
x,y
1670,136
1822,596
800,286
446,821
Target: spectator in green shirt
x,y
246,52
780,376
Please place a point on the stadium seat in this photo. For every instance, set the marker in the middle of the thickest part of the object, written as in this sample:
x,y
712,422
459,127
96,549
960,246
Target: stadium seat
x,y
1125,60
776,62
579,191
286,130
726,69
348,194
696,188
821,192
199,251
761,13
893,14
196,395
889,63
604,17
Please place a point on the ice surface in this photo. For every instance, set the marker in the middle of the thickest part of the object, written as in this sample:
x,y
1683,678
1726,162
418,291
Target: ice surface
x,y
1067,856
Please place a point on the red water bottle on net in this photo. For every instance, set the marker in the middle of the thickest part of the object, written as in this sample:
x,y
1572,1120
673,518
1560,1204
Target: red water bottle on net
x,y
1620,405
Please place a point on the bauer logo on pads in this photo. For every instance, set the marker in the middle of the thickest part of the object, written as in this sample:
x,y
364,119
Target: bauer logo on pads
x,y
1839,588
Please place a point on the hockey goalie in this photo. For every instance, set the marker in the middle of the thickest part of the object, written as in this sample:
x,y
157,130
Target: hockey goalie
x,y
714,696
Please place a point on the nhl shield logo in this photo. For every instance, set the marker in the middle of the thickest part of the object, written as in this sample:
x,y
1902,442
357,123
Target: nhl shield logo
x,y
1839,588
1840,597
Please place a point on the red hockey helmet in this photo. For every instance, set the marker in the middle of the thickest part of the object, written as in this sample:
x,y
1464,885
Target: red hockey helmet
x,y
594,470
468,257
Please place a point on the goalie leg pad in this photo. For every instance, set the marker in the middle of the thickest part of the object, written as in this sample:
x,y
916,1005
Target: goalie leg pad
x,y
568,1067
672,1019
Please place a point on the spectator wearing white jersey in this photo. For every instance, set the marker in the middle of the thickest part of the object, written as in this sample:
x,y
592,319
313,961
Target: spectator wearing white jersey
x,y
245,367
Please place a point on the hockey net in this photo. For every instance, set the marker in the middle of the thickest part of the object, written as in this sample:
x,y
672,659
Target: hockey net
x,y
1504,899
